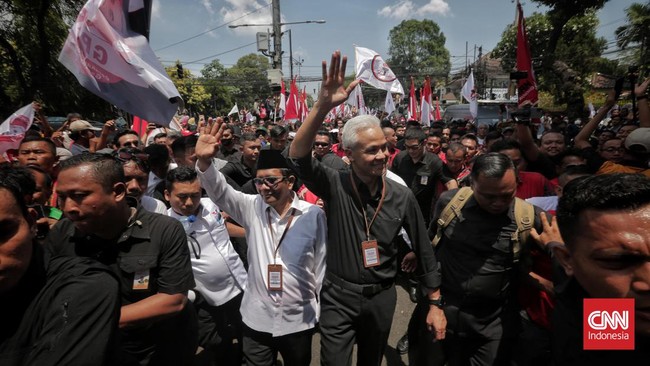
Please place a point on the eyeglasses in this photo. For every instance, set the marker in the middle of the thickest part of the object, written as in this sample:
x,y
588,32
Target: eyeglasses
x,y
614,149
268,181
129,154
413,147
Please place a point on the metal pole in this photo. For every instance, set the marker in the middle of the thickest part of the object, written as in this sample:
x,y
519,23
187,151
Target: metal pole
x,y
277,36
290,54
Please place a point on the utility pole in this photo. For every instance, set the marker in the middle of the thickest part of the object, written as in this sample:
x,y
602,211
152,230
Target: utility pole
x,y
277,36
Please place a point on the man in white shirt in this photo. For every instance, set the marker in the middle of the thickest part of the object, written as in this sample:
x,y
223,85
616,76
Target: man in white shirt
x,y
219,273
286,255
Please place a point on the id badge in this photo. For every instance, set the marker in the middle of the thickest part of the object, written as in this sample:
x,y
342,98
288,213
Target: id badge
x,y
141,280
275,277
424,179
370,253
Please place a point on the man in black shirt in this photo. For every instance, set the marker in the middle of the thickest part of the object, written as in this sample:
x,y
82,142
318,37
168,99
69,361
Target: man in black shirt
x,y
148,252
323,151
242,171
365,213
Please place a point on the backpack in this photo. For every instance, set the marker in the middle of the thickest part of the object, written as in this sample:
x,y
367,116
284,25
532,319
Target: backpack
x,y
524,215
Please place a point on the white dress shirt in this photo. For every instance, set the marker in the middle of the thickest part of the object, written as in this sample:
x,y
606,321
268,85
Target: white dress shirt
x,y
153,205
219,273
301,254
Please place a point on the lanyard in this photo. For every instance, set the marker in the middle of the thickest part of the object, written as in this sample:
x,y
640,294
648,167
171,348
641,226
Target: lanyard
x,y
381,203
284,233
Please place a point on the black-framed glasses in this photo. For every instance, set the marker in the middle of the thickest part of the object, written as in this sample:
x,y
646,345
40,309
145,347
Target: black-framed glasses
x,y
413,147
269,181
321,144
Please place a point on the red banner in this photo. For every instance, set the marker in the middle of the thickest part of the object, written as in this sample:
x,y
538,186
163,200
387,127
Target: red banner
x,y
526,88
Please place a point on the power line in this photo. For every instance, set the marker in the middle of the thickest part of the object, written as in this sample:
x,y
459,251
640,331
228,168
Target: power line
x,y
221,53
213,29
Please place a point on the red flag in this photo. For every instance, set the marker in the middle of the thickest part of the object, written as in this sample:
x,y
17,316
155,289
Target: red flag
x,y
139,125
304,111
292,103
526,88
413,104
437,115
425,107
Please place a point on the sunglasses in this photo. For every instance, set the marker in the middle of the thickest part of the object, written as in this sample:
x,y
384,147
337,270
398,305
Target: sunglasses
x,y
268,181
321,144
129,154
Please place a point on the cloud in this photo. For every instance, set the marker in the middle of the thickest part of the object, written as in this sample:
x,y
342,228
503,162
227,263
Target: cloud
x,y
207,4
235,9
408,9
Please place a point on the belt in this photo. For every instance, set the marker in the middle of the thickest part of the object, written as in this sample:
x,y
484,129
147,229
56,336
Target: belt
x,y
365,290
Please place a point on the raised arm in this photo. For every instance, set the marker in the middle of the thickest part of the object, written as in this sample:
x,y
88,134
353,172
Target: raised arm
x,y
332,93
582,138
641,92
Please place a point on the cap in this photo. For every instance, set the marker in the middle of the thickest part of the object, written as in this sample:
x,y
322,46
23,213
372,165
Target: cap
x,y
263,129
81,125
271,159
639,140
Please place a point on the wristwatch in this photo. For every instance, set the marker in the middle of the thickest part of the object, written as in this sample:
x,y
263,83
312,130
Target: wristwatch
x,y
439,302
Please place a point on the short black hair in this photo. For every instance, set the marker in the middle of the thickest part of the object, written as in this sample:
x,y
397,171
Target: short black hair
x,y
116,138
48,178
469,136
159,136
248,136
105,169
127,154
180,174
415,133
180,145
605,192
492,135
20,182
435,134
32,138
507,144
456,146
491,165
158,155
278,131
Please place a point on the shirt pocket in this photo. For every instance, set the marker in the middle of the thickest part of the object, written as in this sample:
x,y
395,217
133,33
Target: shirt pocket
x,y
139,271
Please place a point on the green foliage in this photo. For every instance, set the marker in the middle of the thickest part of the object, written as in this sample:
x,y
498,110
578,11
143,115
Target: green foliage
x,y
213,77
634,37
249,80
417,48
194,95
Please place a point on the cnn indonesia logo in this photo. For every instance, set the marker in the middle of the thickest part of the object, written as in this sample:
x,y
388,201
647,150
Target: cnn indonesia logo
x,y
608,324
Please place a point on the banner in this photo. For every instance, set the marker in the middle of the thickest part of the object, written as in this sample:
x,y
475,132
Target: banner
x,y
12,130
117,64
469,93
413,104
526,88
292,103
355,99
234,110
389,104
425,104
372,69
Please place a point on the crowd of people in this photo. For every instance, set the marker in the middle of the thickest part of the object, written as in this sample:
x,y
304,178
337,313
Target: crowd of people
x,y
234,242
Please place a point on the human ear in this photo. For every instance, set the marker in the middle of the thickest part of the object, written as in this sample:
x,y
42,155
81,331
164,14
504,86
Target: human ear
x,y
564,257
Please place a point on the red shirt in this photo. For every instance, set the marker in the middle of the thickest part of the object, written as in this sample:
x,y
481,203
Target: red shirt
x,y
531,184
338,150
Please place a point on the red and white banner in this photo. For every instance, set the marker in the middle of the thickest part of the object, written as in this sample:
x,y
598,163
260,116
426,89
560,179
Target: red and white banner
x,y
389,104
413,104
116,63
437,115
283,97
526,88
355,99
293,102
426,106
469,93
12,130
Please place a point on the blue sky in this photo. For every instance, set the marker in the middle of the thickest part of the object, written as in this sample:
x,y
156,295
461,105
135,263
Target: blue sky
x,y
362,22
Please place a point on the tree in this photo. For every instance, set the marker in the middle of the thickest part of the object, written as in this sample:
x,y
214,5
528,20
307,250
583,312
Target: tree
x,y
31,35
195,97
578,49
249,80
635,34
417,48
214,77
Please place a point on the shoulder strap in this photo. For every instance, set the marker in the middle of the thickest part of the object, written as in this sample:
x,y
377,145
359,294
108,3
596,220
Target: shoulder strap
x,y
525,217
451,211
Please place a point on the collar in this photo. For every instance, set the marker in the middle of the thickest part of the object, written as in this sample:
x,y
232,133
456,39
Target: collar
x,y
473,203
363,189
295,205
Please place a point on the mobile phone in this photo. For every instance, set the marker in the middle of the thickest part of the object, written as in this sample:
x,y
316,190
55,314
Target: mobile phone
x,y
120,124
618,87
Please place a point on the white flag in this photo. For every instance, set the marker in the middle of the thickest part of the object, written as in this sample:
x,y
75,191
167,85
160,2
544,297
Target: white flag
x,y
234,110
355,99
372,69
469,93
12,130
592,110
116,63
389,105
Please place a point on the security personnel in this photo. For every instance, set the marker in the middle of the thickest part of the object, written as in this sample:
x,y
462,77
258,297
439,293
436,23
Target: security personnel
x,y
147,251
482,251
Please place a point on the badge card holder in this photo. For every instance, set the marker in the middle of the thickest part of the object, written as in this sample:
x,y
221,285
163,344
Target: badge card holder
x,y
370,253
274,277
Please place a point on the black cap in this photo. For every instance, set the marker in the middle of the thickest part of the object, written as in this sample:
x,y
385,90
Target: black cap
x,y
271,159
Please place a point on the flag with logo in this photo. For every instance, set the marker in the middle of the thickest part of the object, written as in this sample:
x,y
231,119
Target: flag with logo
x,y
355,99
371,68
469,93
426,104
526,88
293,102
110,59
389,104
413,103
12,130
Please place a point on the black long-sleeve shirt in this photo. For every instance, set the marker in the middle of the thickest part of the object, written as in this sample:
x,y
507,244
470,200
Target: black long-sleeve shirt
x,y
346,228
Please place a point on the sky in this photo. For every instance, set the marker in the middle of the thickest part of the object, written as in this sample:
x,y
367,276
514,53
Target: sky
x,y
365,23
